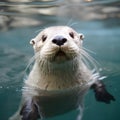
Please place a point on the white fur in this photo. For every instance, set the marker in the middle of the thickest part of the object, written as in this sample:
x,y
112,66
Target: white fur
x,y
61,73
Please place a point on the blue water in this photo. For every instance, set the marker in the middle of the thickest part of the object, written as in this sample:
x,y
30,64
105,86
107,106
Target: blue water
x,y
98,20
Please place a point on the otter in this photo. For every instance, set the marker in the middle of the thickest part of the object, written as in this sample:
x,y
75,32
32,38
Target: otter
x,y
60,77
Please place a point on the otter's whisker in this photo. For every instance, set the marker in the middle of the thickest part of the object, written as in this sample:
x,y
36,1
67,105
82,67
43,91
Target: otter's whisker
x,y
90,59
86,62
90,51
31,61
39,30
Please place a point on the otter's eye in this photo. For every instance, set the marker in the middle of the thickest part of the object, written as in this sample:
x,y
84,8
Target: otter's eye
x,y
71,34
44,37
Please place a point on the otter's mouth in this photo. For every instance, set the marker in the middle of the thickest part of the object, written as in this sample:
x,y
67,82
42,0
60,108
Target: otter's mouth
x,y
60,53
60,56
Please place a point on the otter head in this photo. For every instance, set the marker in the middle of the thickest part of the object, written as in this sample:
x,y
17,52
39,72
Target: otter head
x,y
57,44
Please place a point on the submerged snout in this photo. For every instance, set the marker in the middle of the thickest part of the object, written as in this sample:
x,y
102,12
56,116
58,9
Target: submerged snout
x,y
59,40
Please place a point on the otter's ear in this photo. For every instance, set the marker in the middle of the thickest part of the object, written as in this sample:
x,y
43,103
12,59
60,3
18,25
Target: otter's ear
x,y
32,42
81,36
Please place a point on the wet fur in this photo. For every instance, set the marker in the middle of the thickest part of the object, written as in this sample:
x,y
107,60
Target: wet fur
x,y
48,70
70,72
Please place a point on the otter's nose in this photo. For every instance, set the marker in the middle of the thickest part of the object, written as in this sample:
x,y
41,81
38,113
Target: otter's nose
x,y
59,40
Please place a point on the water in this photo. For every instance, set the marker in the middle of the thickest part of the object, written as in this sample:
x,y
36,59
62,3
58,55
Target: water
x,y
98,20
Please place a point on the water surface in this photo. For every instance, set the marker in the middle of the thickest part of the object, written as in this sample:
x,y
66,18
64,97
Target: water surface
x,y
98,20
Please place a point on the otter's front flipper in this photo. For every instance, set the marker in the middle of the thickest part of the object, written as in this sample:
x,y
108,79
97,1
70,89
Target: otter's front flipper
x,y
101,94
29,111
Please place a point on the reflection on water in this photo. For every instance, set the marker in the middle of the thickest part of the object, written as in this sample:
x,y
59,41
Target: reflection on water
x,y
34,13
20,21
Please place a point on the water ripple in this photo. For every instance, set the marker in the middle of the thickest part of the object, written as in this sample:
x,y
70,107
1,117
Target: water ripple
x,y
12,65
17,14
